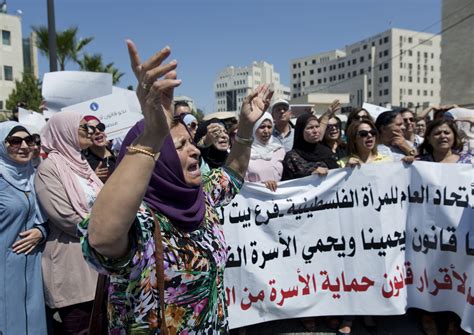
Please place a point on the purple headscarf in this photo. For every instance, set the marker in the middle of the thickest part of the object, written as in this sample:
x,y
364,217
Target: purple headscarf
x,y
167,191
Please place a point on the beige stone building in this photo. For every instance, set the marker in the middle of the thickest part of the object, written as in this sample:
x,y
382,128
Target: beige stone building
x,y
397,67
234,84
16,55
457,53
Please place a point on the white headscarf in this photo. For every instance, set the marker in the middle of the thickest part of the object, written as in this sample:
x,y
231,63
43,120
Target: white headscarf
x,y
259,149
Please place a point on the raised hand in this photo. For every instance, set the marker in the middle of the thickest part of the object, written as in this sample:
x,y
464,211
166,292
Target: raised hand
x,y
156,83
255,104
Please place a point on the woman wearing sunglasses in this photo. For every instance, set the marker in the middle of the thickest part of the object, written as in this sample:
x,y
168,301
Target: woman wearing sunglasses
x,y
67,188
362,145
333,137
101,159
22,231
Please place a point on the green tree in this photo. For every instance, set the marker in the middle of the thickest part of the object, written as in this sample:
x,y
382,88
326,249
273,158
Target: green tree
x,y
67,43
28,91
93,63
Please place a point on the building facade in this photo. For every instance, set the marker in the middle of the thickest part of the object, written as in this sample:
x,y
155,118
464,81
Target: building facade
x,y
16,55
457,53
397,67
234,84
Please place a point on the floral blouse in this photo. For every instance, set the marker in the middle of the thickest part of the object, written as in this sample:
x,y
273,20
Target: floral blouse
x,y
194,270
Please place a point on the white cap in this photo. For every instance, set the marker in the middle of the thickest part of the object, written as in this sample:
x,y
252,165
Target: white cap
x,y
279,102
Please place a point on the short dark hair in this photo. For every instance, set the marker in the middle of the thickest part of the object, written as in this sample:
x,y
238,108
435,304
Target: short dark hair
x,y
427,148
385,118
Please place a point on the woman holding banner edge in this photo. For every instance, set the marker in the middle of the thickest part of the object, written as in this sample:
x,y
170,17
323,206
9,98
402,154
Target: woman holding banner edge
x,y
119,237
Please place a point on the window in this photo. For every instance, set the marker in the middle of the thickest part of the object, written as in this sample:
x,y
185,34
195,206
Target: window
x,y
294,85
294,66
385,53
369,81
324,69
311,71
313,61
401,78
432,55
354,73
410,53
319,81
432,80
294,75
385,40
8,72
425,93
361,59
299,64
1,104
305,63
319,70
354,61
6,37
385,79
304,73
410,40
380,80
324,81
370,56
380,92
410,79
410,91
369,94
311,82
385,66
304,83
361,71
299,75
385,91
364,47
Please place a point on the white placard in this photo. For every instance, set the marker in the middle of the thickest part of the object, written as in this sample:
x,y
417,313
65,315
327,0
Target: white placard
x,y
65,88
374,110
32,120
133,103
357,242
112,110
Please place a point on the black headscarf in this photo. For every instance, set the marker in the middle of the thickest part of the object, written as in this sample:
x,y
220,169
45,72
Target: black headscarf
x,y
313,152
212,156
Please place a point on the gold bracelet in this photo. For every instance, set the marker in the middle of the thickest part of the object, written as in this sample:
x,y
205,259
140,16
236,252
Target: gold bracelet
x,y
243,141
135,150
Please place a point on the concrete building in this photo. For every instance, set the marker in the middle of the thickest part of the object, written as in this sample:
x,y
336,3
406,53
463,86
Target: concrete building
x,y
234,84
397,67
457,53
16,55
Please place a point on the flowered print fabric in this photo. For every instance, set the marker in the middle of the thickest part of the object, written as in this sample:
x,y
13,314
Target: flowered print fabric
x,y
193,266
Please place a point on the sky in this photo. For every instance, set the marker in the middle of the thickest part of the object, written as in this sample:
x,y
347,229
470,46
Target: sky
x,y
206,36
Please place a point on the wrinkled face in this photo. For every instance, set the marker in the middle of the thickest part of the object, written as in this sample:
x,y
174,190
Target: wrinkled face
x,y
188,155
21,153
420,127
281,113
365,138
264,131
85,136
99,138
311,131
397,125
408,121
221,142
332,131
441,138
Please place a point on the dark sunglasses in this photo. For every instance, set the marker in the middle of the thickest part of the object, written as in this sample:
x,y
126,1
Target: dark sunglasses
x,y
92,129
193,125
365,133
333,126
361,117
16,141
409,119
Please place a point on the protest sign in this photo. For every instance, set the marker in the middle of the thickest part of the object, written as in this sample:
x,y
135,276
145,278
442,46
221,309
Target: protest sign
x,y
112,110
357,242
32,120
374,110
65,88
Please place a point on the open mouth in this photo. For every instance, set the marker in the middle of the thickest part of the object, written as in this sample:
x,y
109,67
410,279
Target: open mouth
x,y
194,170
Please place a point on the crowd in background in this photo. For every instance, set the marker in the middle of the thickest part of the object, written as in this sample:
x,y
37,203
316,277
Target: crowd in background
x,y
57,174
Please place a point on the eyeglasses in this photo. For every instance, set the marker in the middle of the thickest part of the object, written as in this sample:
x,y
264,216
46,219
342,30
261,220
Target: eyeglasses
x,y
361,117
333,126
365,133
409,119
37,139
92,129
193,125
16,141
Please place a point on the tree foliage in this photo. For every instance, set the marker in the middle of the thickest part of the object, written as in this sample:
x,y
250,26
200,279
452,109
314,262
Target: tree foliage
x,y
93,63
68,45
27,91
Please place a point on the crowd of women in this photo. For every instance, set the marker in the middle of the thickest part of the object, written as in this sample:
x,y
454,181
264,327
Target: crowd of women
x,y
144,224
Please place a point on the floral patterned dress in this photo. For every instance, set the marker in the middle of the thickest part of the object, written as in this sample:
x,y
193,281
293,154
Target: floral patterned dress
x,y
194,270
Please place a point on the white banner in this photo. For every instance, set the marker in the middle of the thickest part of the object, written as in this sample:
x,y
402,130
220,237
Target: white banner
x,y
65,88
32,120
112,110
370,241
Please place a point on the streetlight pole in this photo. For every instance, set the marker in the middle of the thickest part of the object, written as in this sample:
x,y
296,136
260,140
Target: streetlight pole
x,y
53,58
